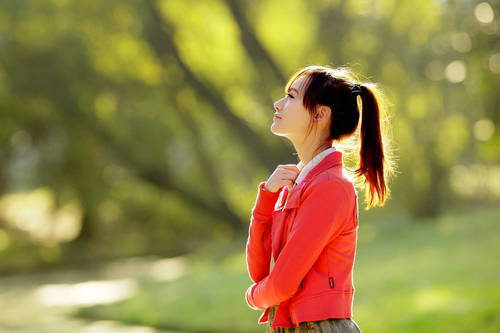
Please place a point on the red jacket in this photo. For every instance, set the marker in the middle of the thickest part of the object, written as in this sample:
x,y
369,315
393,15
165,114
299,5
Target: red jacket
x,y
312,237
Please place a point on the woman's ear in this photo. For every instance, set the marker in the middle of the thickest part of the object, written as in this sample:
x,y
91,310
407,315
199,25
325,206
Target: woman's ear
x,y
323,112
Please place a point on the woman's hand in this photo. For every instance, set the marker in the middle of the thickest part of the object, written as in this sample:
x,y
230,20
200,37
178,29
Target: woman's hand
x,y
284,175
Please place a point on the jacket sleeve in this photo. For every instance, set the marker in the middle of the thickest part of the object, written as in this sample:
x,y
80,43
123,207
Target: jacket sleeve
x,y
321,217
258,257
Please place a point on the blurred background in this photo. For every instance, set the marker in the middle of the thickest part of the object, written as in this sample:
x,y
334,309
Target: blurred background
x,y
133,135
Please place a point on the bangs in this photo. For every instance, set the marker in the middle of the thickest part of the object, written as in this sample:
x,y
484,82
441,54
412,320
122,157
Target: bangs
x,y
297,75
313,85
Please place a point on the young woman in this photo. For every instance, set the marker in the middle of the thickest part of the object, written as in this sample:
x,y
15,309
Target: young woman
x,y
303,231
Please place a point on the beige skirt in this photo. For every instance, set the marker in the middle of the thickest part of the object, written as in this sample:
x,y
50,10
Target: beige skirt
x,y
332,325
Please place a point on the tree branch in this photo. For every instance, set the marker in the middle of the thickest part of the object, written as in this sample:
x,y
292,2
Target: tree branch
x,y
253,46
162,43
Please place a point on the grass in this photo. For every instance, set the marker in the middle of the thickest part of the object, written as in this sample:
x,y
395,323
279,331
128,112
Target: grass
x,y
437,275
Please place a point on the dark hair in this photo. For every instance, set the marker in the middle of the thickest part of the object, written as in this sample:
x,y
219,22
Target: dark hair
x,y
339,88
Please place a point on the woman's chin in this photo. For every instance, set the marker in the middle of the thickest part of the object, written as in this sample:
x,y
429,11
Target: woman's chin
x,y
275,130
279,134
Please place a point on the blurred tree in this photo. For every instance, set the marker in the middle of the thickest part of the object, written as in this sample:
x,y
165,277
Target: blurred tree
x,y
146,123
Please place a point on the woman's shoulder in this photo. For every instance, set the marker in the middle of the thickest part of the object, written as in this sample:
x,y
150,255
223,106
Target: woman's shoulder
x,y
335,178
333,175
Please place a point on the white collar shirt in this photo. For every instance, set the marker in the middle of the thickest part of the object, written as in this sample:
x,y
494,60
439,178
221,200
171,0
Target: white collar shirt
x,y
312,163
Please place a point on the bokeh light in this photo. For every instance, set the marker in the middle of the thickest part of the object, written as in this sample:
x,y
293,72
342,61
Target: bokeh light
x,y
461,42
484,129
494,63
484,13
456,71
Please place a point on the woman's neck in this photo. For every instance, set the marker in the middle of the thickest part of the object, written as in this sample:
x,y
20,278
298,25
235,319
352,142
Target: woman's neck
x,y
307,150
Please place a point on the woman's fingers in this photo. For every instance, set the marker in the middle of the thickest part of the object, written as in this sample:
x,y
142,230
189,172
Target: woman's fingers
x,y
284,175
291,167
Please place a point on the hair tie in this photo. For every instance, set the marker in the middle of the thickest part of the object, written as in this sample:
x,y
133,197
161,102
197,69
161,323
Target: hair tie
x,y
357,89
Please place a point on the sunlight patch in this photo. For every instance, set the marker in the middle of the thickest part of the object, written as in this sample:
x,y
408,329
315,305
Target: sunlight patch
x,y
432,300
87,293
169,269
36,213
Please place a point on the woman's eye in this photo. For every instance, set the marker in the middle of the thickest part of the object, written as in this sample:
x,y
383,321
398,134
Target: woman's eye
x,y
289,95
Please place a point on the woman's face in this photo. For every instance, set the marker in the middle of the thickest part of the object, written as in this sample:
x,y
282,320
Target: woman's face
x,y
291,118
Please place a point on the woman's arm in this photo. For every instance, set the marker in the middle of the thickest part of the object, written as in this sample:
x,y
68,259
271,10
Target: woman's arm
x,y
258,257
258,254
324,212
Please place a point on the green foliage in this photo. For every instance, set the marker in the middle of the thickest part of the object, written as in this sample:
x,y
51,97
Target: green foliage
x,y
153,116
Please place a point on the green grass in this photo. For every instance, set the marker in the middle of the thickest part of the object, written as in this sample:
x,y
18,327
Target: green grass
x,y
438,275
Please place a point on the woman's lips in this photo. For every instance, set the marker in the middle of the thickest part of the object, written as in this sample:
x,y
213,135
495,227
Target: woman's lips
x,y
276,116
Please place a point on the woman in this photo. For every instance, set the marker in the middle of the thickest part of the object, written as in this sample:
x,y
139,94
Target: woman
x,y
303,231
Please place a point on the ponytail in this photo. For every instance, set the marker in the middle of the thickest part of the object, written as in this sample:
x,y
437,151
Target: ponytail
x,y
375,160
339,88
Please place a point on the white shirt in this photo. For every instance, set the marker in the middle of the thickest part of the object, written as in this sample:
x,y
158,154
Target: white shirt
x,y
312,163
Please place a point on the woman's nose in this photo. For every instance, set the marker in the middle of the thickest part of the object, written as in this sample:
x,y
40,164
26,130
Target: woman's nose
x,y
277,105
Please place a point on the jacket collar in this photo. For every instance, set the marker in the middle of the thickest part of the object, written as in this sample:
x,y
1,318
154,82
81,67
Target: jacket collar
x,y
328,162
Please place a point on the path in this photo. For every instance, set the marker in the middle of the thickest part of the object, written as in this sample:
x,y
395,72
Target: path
x,y
46,302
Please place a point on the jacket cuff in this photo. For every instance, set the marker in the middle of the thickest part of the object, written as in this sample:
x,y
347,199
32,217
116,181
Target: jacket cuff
x,y
265,202
248,298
